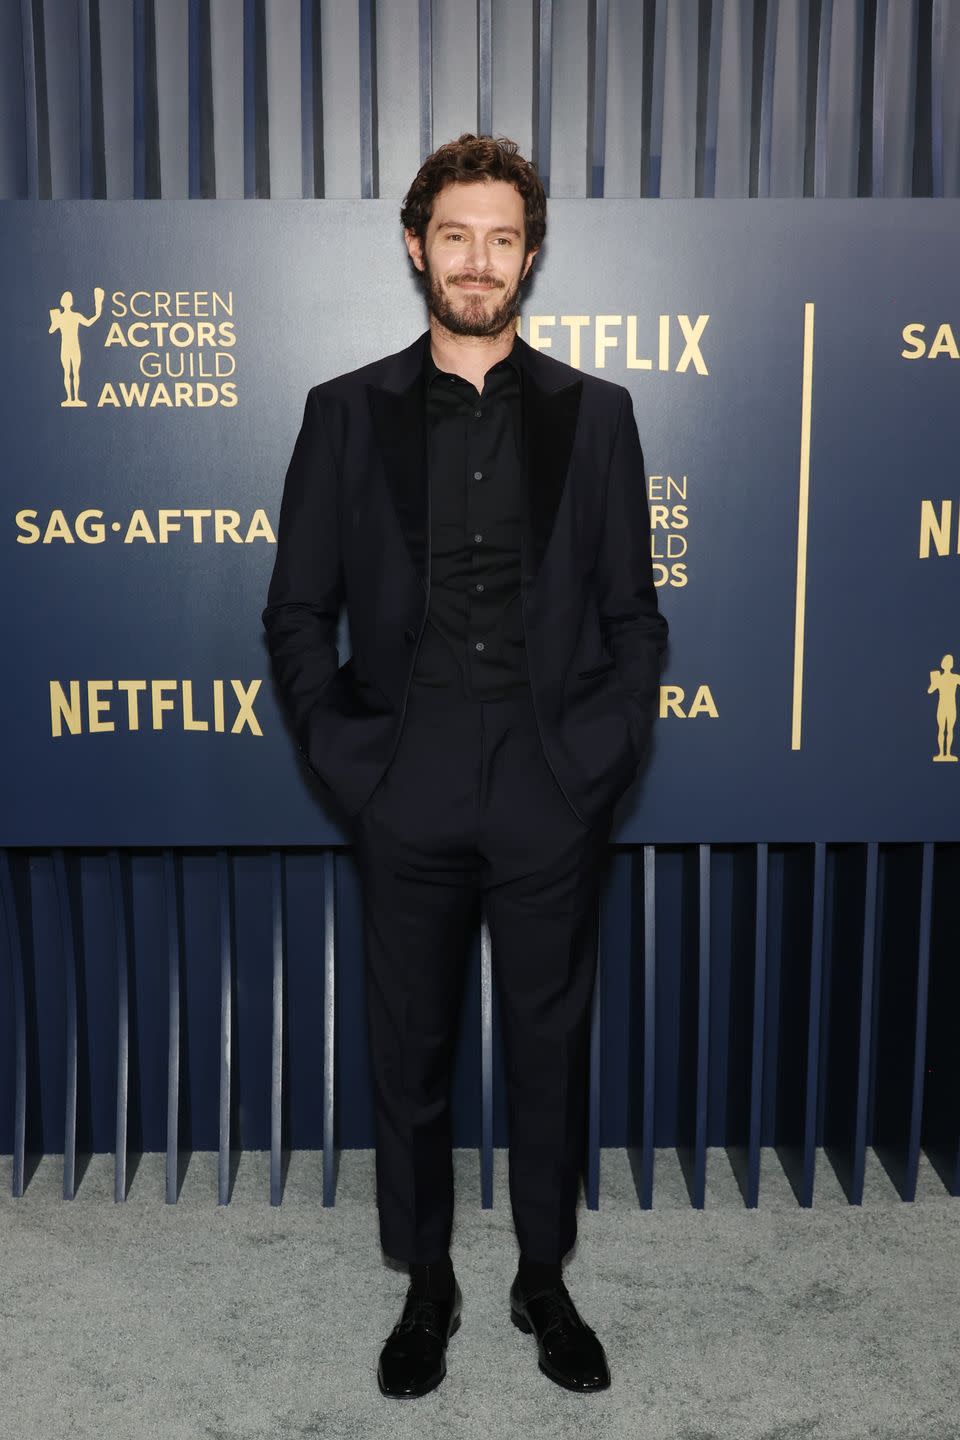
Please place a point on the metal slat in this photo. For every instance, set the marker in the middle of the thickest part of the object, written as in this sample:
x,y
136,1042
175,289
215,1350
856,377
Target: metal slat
x,y
879,98
703,1032
765,18
751,1197
654,86
224,878
171,896
329,1023
864,1037
821,129
121,944
85,78
311,100
542,86
486,1067
369,140
484,67
937,65
920,1023
592,1186
15,951
276,1071
146,123
708,97
425,50
68,952
597,96
649,1020
256,116
36,114
202,162
812,1076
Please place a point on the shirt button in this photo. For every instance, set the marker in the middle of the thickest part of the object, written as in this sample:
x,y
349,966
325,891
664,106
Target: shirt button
x,y
478,413
478,474
479,645
478,537
479,585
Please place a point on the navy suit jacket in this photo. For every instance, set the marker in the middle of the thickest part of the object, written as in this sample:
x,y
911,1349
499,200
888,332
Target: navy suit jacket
x,y
355,528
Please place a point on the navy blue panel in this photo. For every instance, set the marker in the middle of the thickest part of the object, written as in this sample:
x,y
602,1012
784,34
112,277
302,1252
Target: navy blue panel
x,y
304,1048
173,926
329,961
788,1010
843,981
66,893
751,1191
200,1049
149,1006
732,1005
621,944
13,129
353,1125
227,1088
277,1015
120,896
8,1027
641,1060
591,1178
15,909
97,1009
685,1048
941,1113
920,1024
46,996
486,1067
893,1056
253,1057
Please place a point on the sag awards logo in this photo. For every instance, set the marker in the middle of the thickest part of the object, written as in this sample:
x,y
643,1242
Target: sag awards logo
x,y
944,683
159,348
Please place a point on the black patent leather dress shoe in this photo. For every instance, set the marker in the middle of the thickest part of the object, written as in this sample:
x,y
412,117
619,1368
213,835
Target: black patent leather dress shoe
x,y
569,1351
413,1360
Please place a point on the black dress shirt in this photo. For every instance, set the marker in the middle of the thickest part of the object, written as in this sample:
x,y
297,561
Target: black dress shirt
x,y
474,631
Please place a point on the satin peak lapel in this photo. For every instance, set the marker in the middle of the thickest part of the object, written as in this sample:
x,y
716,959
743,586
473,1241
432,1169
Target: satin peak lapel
x,y
549,423
400,425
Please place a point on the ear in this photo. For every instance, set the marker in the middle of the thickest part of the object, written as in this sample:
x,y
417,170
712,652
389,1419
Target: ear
x,y
527,264
414,247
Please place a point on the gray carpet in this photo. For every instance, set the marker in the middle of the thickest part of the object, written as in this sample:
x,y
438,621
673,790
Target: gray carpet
x,y
194,1320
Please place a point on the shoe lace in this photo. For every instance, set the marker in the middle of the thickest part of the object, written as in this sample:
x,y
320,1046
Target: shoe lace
x,y
559,1309
420,1310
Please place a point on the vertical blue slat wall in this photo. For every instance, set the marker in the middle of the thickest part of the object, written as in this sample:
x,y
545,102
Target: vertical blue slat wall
x,y
700,1015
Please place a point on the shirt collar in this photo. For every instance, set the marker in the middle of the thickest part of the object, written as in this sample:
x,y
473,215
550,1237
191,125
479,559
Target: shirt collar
x,y
431,370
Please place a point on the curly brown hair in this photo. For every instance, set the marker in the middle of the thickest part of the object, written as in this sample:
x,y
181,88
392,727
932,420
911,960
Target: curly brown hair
x,y
477,157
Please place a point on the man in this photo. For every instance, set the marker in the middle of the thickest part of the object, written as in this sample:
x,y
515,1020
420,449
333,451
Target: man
x,y
481,509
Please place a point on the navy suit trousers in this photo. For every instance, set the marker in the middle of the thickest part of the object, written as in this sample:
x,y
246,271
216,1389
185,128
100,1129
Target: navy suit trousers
x,y
469,815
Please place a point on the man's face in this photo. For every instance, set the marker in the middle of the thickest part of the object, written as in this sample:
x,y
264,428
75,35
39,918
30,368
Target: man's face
x,y
473,259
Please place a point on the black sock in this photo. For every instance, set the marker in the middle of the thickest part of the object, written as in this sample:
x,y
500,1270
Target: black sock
x,y
434,1278
535,1275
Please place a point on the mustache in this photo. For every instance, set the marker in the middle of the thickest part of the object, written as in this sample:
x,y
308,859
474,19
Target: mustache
x,y
491,280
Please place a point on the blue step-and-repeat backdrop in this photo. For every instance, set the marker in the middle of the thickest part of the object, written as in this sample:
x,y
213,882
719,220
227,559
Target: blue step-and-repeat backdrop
x,y
795,372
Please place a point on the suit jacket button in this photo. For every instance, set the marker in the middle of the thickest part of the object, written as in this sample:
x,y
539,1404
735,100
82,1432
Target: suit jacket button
x,y
410,635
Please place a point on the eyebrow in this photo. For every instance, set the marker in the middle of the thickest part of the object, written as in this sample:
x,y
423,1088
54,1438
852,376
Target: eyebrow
x,y
462,225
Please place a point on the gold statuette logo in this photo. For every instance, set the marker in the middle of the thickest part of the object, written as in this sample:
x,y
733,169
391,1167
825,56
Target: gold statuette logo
x,y
944,683
68,322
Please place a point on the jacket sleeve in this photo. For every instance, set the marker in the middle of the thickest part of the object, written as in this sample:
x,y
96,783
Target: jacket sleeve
x,y
633,630
306,588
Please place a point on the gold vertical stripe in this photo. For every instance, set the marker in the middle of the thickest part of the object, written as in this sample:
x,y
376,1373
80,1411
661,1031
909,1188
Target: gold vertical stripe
x,y
805,411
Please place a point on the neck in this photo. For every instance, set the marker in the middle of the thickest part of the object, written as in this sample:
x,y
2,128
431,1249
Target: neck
x,y
470,356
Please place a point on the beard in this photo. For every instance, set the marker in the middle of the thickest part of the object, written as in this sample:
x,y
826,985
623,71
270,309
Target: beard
x,y
474,317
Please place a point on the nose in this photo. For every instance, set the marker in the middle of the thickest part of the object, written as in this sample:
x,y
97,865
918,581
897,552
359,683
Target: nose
x,y
476,256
